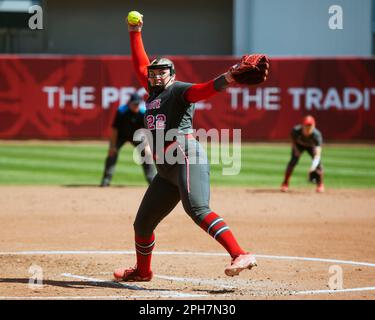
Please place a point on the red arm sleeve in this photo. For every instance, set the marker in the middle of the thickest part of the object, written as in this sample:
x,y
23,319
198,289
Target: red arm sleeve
x,y
200,91
139,57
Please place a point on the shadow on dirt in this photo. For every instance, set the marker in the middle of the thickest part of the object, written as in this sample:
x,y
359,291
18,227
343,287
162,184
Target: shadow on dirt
x,y
98,186
105,284
275,191
81,284
219,291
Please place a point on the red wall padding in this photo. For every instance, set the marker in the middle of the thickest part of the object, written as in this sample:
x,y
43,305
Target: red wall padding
x,y
75,97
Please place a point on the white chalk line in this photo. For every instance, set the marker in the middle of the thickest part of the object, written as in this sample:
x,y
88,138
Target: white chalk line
x,y
80,252
222,284
78,297
158,293
182,253
233,284
215,283
131,287
367,264
333,291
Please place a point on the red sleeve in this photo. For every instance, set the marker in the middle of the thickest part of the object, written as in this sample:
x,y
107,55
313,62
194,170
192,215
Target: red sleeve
x,y
200,91
139,57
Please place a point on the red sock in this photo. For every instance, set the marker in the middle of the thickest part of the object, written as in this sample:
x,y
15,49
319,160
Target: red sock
x,y
217,228
144,247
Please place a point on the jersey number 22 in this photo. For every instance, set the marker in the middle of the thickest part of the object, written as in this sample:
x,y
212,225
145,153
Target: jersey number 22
x,y
156,122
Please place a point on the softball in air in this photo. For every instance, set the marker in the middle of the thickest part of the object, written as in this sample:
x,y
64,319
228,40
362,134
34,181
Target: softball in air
x,y
134,17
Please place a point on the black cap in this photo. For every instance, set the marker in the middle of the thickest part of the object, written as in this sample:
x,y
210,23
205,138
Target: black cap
x,y
135,98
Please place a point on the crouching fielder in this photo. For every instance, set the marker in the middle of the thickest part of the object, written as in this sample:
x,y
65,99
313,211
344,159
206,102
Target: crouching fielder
x,y
170,106
305,137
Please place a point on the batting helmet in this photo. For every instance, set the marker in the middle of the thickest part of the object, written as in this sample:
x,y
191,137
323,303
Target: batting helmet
x,y
157,64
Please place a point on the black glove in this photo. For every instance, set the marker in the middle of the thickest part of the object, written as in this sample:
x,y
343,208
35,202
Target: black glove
x,y
314,176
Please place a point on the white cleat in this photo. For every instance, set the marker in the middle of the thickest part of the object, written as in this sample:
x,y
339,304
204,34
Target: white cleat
x,y
242,262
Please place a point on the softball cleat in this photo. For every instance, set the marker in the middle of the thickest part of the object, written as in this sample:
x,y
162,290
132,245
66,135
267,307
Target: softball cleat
x,y
131,275
242,262
284,187
320,188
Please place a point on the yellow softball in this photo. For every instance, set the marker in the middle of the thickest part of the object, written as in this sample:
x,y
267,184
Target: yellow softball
x,y
134,17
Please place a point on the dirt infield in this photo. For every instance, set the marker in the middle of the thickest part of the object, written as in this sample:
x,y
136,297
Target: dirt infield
x,y
76,235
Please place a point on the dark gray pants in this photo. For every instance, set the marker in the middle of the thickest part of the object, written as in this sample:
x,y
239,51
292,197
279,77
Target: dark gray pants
x,y
188,182
110,164
295,158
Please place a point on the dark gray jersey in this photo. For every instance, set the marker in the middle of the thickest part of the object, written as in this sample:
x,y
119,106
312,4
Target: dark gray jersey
x,y
314,140
169,110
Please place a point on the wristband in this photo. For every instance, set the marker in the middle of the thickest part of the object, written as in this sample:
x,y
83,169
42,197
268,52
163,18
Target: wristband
x,y
220,83
315,163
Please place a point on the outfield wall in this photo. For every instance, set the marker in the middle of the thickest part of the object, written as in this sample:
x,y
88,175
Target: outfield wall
x,y
75,97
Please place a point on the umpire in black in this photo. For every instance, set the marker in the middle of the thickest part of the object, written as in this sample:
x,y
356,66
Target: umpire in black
x,y
128,119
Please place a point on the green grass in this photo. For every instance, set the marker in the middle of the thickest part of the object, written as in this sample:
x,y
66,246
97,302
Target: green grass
x,y
262,165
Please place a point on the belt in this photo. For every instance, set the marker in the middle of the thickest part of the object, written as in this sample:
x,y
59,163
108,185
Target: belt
x,y
189,136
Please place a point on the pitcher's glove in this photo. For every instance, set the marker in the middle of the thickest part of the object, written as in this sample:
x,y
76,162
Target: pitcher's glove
x,y
252,69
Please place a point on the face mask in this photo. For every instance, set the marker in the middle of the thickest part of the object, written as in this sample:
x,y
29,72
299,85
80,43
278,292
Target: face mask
x,y
158,88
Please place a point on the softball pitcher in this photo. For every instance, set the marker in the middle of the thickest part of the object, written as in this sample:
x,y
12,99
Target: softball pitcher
x,y
170,106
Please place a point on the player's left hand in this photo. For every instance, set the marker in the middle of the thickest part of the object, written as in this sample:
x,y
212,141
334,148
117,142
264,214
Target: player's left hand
x,y
252,69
